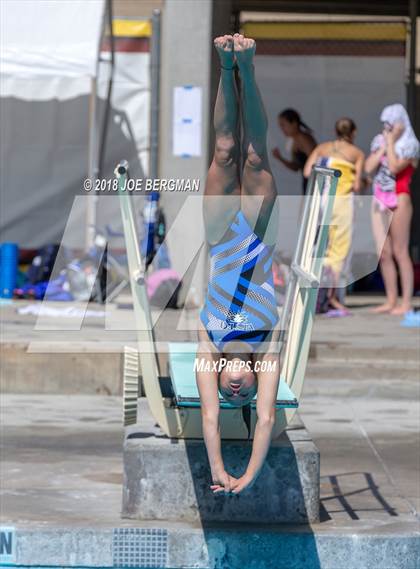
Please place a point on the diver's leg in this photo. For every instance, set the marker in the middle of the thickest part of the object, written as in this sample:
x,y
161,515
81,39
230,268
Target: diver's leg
x,y
222,178
257,177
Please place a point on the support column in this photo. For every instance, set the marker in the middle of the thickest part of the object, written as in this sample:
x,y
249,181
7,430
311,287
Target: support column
x,y
186,60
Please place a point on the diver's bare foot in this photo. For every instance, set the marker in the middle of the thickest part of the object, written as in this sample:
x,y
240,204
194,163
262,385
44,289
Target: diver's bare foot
x,y
224,47
401,310
383,308
244,49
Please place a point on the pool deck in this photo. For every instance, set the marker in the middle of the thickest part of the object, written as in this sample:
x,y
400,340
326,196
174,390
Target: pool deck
x,y
55,354
61,467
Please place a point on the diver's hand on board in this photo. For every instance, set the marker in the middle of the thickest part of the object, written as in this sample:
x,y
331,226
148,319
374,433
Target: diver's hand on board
x,y
222,482
245,481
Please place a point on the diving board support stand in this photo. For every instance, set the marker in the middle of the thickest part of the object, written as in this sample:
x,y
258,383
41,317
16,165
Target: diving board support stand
x,y
170,482
306,278
302,291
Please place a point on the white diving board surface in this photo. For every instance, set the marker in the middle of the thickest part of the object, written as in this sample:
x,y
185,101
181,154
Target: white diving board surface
x,y
181,369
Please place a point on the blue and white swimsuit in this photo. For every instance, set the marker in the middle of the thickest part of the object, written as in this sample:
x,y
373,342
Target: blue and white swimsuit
x,y
240,302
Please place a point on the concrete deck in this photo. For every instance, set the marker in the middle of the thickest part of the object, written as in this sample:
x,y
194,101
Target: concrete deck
x,y
76,355
61,461
62,484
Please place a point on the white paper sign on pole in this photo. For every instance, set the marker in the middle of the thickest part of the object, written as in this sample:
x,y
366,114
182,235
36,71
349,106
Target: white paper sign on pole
x,y
187,121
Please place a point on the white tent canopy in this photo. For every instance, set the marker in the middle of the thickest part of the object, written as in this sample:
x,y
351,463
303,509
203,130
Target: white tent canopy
x,y
45,38
53,100
49,52
49,49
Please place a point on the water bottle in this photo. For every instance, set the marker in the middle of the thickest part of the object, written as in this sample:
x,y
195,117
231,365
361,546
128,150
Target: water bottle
x,y
9,254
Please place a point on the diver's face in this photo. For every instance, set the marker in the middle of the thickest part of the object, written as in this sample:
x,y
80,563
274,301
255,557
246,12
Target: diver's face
x,y
237,382
288,128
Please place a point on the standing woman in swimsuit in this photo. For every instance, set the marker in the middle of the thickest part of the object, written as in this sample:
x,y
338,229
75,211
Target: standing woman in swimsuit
x,y
303,142
392,161
345,156
240,310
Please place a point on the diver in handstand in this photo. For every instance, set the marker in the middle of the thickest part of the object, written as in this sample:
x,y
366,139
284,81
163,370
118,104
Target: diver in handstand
x,y
239,316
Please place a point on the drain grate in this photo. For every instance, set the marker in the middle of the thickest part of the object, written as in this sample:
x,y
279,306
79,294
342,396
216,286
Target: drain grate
x,y
140,547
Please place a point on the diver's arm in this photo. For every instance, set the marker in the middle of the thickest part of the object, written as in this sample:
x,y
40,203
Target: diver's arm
x,y
268,382
207,387
210,408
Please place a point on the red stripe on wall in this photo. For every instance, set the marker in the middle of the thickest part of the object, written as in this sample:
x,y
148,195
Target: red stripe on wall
x,y
331,47
136,45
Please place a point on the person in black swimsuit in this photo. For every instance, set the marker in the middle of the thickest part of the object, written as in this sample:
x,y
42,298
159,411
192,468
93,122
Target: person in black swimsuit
x,y
302,142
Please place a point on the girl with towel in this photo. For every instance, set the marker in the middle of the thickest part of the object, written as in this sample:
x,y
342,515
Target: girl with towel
x,y
392,161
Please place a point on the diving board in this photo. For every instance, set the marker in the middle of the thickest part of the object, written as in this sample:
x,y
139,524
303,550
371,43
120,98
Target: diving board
x,y
181,371
174,401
